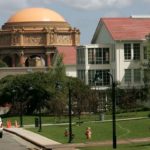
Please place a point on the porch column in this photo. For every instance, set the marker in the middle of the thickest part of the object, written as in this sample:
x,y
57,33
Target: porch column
x,y
21,59
13,61
48,59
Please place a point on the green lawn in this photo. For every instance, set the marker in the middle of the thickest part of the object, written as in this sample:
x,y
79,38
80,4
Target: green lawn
x,y
48,119
100,131
139,146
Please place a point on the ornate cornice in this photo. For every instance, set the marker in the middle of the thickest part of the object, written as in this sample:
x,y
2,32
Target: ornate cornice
x,y
37,35
35,25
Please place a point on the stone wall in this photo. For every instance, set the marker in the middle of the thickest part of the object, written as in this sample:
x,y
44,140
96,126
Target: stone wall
x,y
20,70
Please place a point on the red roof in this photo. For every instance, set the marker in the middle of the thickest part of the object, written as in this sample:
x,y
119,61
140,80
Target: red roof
x,y
69,54
127,28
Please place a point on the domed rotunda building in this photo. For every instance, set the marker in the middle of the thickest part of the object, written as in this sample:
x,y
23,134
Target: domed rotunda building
x,y
33,37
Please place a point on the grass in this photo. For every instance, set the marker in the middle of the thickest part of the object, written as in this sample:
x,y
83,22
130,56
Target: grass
x,y
139,146
100,131
85,118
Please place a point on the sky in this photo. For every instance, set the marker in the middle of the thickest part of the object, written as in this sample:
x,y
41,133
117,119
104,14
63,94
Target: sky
x,y
82,14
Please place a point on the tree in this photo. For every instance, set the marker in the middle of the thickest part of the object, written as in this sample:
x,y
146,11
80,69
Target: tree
x,y
36,91
145,91
3,64
17,89
80,96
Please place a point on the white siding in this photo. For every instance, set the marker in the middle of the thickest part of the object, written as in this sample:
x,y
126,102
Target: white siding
x,y
122,64
104,36
71,70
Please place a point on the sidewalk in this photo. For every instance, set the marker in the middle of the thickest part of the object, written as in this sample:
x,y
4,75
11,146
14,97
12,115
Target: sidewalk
x,y
32,137
47,144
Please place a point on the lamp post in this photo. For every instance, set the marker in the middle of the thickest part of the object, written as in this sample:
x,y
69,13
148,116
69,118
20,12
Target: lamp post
x,y
113,113
70,115
21,115
13,100
59,86
98,79
21,109
40,120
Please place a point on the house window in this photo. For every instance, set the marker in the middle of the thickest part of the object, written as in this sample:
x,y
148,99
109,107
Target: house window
x,y
105,55
103,76
106,77
91,55
127,51
91,75
146,73
137,75
80,56
145,52
81,74
127,75
136,51
98,56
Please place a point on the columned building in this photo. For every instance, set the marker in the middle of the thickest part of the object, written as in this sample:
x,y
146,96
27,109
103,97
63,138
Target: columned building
x,y
34,37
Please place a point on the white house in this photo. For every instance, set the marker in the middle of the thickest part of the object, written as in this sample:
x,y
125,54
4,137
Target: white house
x,y
119,47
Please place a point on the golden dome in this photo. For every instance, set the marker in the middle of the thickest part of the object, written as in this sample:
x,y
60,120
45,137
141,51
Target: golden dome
x,y
36,15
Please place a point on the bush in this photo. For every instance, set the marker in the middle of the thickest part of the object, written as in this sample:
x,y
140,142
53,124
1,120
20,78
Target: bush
x,y
2,64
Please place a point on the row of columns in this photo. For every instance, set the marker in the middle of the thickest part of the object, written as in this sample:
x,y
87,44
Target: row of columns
x,y
48,59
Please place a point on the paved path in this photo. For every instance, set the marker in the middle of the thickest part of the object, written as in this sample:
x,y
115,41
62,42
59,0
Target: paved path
x,y
102,143
48,144
34,138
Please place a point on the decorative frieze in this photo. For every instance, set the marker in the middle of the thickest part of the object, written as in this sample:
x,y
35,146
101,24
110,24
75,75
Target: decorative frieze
x,y
51,38
46,35
77,38
5,39
33,39
15,39
64,39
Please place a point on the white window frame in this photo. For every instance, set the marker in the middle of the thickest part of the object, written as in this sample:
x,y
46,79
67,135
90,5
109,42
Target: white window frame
x,y
131,52
137,75
128,76
136,51
127,51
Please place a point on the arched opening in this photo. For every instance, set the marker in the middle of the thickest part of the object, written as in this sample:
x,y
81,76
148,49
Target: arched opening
x,y
16,60
8,61
35,61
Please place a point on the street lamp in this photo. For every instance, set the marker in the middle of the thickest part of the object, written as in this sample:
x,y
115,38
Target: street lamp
x,y
21,110
39,119
113,112
58,86
13,99
70,115
98,79
21,114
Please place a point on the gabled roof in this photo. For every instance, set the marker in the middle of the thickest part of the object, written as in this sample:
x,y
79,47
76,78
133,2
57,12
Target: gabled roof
x,y
69,54
127,28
